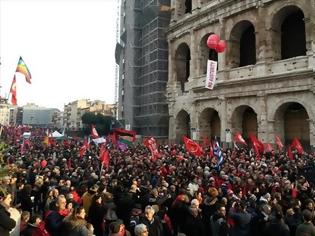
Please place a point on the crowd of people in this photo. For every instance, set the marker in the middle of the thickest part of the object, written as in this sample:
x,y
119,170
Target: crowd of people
x,y
58,191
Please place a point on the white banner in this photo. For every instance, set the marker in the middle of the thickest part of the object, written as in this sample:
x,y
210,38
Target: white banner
x,y
99,140
211,74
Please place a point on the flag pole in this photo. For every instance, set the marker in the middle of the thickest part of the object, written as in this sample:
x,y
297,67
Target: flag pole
x,y
102,167
11,87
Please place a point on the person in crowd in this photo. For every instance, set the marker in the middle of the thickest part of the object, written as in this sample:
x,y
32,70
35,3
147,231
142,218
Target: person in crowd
x,y
54,218
35,227
306,228
277,226
88,196
241,219
76,225
6,223
141,230
97,215
117,228
25,217
218,223
153,223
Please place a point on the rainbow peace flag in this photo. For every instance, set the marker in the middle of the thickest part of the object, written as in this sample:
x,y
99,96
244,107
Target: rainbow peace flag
x,y
22,68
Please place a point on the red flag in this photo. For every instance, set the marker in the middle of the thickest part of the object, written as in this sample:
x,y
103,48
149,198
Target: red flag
x,y
104,156
52,141
257,145
295,144
151,144
294,191
94,133
268,147
278,142
13,92
192,147
206,142
211,153
84,148
238,138
290,154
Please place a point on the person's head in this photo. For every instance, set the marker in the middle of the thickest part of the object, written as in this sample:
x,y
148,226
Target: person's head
x,y
25,216
221,211
149,212
194,203
141,230
55,192
309,204
117,228
35,220
69,205
97,199
307,215
79,212
61,202
5,197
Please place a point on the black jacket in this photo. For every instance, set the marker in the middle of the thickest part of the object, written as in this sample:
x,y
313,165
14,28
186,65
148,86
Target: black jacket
x,y
6,223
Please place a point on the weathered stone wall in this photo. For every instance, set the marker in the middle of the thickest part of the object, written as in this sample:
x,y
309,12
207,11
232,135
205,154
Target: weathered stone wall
x,y
264,87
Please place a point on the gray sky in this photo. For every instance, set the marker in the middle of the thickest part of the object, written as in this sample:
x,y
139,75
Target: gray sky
x,y
68,46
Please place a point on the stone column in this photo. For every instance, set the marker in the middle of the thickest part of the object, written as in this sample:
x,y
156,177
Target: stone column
x,y
312,134
262,118
223,120
222,56
171,62
172,129
193,56
194,122
310,38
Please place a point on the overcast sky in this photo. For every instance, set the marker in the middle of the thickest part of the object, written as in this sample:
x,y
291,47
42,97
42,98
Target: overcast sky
x,y
68,46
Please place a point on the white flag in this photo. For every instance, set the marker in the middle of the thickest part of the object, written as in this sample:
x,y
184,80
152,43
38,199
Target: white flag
x,y
211,74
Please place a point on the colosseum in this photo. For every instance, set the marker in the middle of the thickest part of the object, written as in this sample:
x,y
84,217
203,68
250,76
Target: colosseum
x,y
265,79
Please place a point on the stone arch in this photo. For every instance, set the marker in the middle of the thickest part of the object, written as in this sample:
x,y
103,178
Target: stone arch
x,y
292,121
242,44
205,53
182,125
182,64
244,120
210,123
288,32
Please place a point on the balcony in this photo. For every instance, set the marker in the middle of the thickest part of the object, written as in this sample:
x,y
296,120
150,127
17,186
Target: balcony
x,y
251,73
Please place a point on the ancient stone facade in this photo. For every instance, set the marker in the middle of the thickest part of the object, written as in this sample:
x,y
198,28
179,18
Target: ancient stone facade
x,y
266,76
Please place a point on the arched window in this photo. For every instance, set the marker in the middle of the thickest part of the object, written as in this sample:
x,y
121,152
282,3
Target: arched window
x,y
182,60
248,47
293,35
242,45
188,6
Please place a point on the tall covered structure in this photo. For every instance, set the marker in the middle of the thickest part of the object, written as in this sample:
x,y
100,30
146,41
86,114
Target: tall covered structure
x,y
266,77
142,55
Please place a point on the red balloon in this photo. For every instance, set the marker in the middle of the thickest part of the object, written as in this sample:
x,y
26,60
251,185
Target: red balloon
x,y
213,41
43,163
221,46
